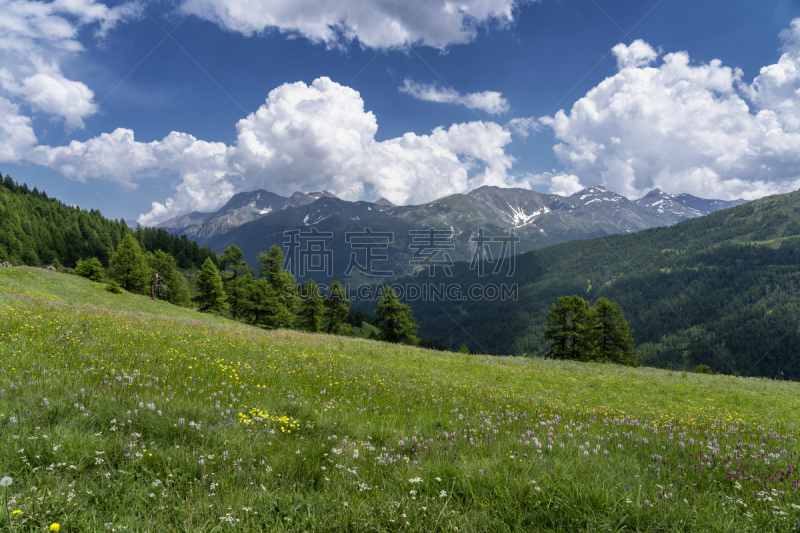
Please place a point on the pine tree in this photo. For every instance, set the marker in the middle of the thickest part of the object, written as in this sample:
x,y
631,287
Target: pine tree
x,y
210,294
285,285
239,294
128,266
268,308
338,307
567,326
311,306
233,259
395,319
612,337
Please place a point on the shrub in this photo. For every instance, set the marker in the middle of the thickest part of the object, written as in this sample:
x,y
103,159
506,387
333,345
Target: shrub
x,y
703,369
90,268
113,287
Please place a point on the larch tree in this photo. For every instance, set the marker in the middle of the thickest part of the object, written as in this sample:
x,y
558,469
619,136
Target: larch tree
x,y
395,319
567,329
337,306
612,336
311,307
210,293
129,267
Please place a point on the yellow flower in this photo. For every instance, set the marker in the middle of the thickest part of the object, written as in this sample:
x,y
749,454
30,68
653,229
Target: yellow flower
x,y
55,526
17,512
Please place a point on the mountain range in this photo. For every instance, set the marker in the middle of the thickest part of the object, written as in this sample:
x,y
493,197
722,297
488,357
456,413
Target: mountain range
x,y
256,220
722,290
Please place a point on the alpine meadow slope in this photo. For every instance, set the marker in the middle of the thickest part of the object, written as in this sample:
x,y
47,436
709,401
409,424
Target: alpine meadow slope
x,y
121,413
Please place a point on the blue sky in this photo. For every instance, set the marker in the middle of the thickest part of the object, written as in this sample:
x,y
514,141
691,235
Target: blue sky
x,y
147,110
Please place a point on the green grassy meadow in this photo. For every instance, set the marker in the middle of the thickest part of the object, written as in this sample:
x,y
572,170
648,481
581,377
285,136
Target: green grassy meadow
x,y
118,413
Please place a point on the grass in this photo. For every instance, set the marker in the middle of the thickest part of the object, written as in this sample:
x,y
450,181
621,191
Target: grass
x,y
365,330
123,414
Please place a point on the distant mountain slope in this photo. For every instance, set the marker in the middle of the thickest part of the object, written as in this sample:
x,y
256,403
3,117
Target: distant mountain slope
x,y
683,206
721,290
242,208
257,220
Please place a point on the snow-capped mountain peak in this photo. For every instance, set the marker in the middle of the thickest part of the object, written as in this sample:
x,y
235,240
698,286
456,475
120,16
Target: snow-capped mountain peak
x,y
595,193
682,206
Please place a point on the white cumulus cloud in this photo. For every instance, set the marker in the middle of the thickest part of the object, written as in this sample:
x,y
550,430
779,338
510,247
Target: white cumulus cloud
x,y
637,54
118,157
776,88
16,134
524,126
50,92
489,101
376,24
556,182
304,137
686,127
35,37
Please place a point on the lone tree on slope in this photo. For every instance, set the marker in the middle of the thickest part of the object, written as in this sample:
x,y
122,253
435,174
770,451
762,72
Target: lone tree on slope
x,y
395,319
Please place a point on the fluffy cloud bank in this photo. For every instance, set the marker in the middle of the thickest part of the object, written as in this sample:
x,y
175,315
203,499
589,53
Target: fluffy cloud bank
x,y
16,134
687,127
34,39
376,24
660,121
489,101
304,137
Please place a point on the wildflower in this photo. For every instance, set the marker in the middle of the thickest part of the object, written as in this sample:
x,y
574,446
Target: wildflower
x,y
415,480
6,482
443,494
55,526
17,512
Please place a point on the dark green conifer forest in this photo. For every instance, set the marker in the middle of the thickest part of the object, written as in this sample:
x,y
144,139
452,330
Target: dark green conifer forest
x,y
722,290
37,230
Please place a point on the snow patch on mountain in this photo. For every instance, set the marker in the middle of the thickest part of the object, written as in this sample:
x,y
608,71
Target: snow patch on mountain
x,y
519,218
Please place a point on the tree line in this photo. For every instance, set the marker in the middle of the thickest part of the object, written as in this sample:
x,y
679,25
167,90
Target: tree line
x,y
37,230
597,333
272,298
228,286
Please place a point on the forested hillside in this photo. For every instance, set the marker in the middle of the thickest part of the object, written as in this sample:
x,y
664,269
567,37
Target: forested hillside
x,y
721,290
37,230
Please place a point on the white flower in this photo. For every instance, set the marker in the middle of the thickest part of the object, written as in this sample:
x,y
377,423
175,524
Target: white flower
x,y
415,480
443,494
6,482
